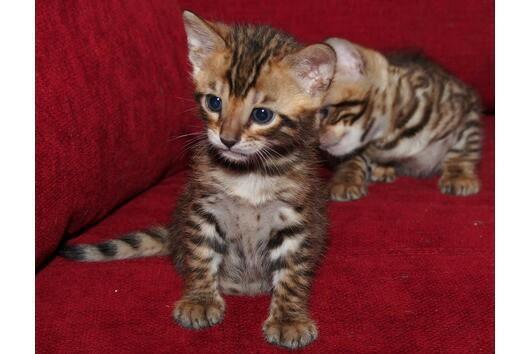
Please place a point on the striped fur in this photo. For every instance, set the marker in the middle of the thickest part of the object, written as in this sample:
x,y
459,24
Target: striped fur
x,y
252,218
147,243
398,115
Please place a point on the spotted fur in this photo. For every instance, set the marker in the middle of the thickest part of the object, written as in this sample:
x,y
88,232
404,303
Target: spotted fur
x,y
398,115
252,218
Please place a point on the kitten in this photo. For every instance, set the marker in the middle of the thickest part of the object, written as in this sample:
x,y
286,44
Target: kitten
x,y
398,115
252,218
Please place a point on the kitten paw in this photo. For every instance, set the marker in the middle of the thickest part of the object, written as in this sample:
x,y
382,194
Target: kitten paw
x,y
383,174
341,191
461,185
290,334
195,314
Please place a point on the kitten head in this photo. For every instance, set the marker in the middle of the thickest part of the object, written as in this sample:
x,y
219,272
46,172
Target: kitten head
x,y
343,120
256,87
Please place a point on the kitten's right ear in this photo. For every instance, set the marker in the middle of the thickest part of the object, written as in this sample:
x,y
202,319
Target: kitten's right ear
x,y
351,63
313,68
203,40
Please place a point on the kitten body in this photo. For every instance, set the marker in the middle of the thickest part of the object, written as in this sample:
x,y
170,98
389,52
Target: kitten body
x,y
399,114
252,218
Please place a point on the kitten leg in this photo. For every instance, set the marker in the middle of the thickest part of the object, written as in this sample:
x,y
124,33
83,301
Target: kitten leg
x,y
380,173
289,324
204,245
350,180
458,168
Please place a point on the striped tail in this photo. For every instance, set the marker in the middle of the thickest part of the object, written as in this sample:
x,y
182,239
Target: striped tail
x,y
147,243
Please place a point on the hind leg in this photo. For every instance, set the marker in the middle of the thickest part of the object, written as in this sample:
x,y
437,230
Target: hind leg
x,y
459,165
350,180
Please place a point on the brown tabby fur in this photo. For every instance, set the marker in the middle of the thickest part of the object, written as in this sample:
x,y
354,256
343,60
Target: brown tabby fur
x,y
247,223
398,115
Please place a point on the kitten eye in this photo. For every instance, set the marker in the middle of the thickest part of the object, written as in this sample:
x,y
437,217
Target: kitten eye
x,y
213,103
323,112
262,115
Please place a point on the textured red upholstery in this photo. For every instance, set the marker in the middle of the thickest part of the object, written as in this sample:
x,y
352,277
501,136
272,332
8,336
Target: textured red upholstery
x,y
408,269
109,78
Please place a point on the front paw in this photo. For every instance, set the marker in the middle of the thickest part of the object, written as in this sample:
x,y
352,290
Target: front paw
x,y
290,334
342,191
462,185
197,314
385,174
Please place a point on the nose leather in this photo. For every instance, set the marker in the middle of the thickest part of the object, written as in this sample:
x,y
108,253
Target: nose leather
x,y
230,131
228,142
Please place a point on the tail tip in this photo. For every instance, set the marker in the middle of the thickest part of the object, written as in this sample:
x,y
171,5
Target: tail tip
x,y
73,252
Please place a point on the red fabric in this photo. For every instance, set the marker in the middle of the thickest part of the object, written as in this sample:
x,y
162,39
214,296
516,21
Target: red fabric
x,y
408,269
109,81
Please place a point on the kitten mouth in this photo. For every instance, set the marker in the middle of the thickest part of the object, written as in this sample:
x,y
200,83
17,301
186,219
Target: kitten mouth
x,y
233,155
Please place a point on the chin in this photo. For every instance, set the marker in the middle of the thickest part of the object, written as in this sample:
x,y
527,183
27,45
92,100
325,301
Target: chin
x,y
233,156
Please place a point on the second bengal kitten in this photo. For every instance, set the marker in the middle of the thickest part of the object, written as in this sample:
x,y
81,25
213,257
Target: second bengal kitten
x,y
398,114
252,218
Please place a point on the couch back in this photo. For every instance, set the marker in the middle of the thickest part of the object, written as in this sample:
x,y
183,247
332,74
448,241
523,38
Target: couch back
x,y
110,102
113,92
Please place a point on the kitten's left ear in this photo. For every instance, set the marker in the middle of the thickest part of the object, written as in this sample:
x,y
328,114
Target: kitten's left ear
x,y
313,68
203,39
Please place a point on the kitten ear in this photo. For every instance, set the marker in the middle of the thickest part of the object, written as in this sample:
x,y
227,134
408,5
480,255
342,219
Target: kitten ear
x,y
203,40
351,64
313,68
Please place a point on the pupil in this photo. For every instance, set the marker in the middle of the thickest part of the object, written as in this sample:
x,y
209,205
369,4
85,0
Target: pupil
x,y
214,103
262,115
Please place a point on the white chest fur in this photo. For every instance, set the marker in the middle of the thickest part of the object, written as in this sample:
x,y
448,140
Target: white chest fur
x,y
253,188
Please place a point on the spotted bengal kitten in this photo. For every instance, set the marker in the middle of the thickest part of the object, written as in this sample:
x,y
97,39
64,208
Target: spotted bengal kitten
x,y
399,114
252,218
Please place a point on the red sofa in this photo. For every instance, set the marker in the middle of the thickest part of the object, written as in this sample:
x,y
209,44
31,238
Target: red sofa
x,y
408,269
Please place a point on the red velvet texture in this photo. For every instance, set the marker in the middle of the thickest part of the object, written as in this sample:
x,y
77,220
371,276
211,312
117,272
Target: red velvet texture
x,y
408,269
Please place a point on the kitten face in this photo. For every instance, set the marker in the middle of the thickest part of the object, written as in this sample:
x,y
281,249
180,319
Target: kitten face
x,y
254,86
343,121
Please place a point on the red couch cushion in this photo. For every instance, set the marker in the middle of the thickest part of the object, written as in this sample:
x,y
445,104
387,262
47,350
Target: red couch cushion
x,y
109,86
408,270
458,34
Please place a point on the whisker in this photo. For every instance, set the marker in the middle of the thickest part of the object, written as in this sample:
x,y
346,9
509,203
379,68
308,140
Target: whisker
x,y
184,135
185,98
267,152
187,110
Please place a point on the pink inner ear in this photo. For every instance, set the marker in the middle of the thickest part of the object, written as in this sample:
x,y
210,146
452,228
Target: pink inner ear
x,y
314,68
351,63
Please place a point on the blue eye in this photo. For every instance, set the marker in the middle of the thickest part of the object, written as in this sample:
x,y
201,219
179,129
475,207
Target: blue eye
x,y
262,115
213,103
